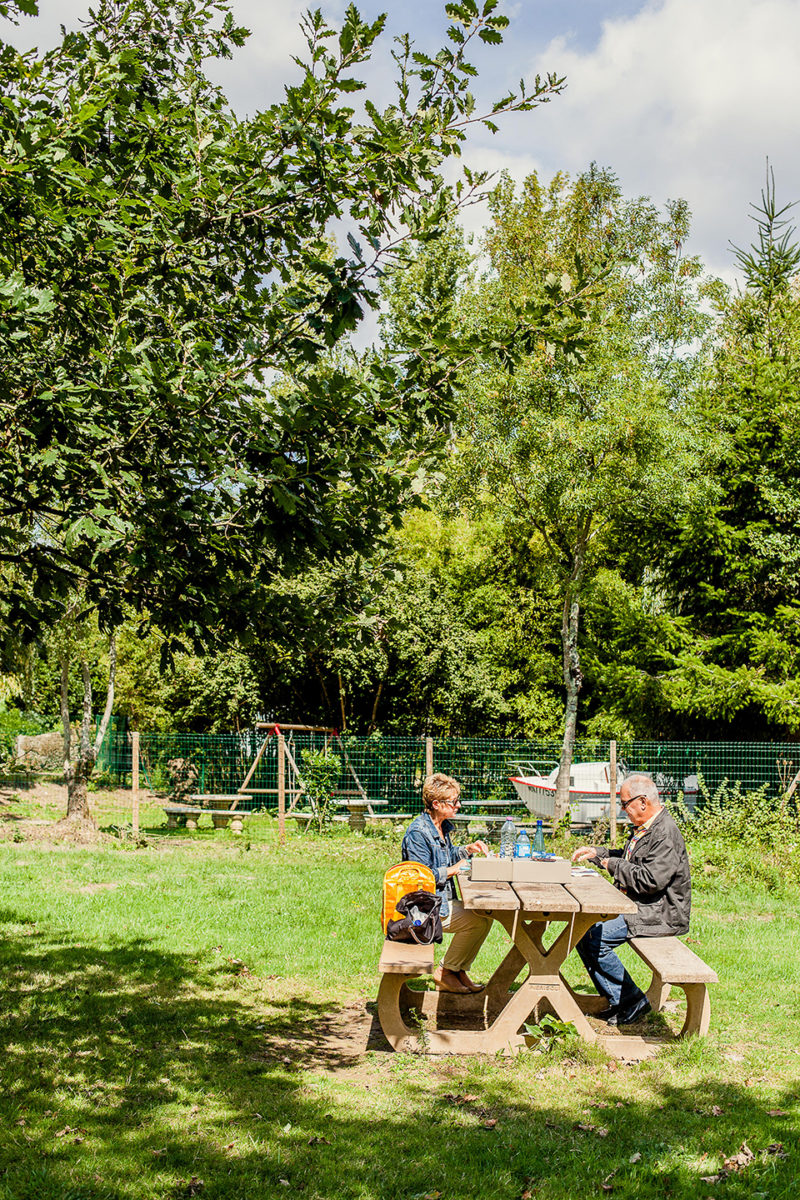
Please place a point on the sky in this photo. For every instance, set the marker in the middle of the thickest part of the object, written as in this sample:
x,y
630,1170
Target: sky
x,y
681,98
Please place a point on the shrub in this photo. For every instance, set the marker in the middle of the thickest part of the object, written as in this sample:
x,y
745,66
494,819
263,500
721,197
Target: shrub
x,y
743,835
321,771
102,781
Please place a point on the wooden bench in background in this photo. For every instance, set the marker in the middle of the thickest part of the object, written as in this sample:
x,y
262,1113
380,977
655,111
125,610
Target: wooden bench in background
x,y
674,965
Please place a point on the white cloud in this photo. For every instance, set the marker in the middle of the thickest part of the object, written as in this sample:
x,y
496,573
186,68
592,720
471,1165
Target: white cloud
x,y
252,79
680,97
685,98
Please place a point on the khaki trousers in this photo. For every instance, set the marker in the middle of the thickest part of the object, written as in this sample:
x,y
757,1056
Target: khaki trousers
x,y
469,928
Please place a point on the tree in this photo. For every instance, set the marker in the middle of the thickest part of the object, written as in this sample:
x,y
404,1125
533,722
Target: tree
x,y
731,564
562,447
161,259
75,640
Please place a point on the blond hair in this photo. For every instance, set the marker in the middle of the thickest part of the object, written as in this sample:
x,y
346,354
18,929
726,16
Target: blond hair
x,y
439,787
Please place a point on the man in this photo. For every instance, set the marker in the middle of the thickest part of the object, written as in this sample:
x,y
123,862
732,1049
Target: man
x,y
653,870
427,840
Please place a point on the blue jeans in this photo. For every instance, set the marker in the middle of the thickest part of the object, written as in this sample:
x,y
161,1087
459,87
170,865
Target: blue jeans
x,y
596,949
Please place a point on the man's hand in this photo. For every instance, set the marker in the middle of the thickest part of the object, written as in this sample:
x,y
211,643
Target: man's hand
x,y
477,848
583,853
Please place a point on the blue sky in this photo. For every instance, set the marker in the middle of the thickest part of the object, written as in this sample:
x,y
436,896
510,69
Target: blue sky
x,y
682,98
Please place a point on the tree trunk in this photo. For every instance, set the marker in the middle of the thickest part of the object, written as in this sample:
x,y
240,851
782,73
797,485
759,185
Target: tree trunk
x,y
78,768
374,714
573,681
77,791
573,677
341,703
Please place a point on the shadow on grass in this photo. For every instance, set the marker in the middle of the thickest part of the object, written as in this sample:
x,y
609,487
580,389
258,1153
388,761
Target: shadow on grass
x,y
129,1073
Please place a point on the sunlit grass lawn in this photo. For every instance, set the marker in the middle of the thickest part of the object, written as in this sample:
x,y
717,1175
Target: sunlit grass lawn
x,y
189,1018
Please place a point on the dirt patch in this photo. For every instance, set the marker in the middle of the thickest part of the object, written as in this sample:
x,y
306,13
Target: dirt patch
x,y
62,833
41,793
335,1042
350,1032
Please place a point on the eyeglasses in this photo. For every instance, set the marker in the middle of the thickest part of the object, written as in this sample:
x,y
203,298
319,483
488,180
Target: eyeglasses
x,y
451,803
624,803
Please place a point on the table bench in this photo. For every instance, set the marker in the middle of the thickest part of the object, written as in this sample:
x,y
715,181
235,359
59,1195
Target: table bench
x,y
305,818
355,821
674,965
191,814
400,962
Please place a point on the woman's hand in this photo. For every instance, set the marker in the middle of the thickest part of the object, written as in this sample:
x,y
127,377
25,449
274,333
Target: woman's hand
x,y
477,848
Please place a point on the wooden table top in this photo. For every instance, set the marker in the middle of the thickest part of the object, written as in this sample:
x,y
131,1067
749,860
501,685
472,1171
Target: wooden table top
x,y
584,893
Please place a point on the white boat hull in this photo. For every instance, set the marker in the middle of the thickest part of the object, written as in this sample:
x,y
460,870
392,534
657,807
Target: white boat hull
x,y
590,799
585,805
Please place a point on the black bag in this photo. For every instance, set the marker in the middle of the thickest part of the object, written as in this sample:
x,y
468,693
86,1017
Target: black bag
x,y
421,921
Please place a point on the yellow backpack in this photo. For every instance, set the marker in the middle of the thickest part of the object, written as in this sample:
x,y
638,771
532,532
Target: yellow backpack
x,y
399,881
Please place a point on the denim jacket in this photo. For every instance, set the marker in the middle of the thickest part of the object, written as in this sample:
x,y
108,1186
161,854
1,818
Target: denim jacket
x,y
423,844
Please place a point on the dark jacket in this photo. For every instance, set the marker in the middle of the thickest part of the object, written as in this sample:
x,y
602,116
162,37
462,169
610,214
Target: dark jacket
x,y
656,877
422,844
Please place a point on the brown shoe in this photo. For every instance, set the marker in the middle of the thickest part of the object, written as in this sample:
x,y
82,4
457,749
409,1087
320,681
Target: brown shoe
x,y
468,983
448,981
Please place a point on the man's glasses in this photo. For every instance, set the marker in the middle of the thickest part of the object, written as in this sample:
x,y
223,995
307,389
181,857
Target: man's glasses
x,y
624,803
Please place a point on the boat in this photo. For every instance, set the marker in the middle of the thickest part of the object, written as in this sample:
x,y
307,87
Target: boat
x,y
589,791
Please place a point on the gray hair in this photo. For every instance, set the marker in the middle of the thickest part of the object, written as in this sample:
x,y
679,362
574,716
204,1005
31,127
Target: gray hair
x,y
643,785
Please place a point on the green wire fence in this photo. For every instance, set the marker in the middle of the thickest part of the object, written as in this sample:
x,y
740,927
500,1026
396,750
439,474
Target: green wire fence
x,y
390,770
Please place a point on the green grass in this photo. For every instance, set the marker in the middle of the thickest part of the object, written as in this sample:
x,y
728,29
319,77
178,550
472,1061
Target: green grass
x,y
190,1018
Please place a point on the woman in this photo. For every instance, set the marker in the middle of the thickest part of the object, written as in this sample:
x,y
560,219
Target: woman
x,y
427,840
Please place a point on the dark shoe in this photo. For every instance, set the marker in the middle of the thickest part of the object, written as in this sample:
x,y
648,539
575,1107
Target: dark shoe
x,y
627,1016
609,1015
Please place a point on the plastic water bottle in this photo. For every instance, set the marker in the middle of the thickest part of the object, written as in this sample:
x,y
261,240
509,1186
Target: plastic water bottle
x,y
522,846
538,839
508,835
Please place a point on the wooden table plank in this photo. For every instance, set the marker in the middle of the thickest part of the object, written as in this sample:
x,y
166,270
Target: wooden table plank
x,y
597,895
546,898
495,896
673,960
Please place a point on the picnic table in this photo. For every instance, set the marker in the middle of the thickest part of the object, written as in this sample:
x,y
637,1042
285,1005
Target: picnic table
x,y
487,805
359,806
190,814
492,813
491,1021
